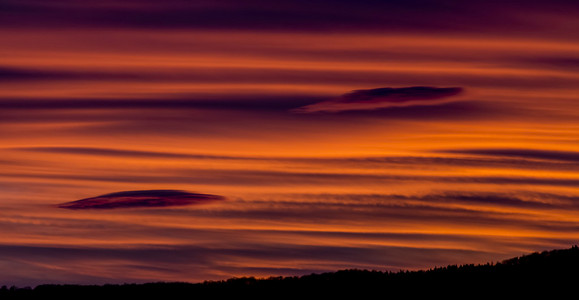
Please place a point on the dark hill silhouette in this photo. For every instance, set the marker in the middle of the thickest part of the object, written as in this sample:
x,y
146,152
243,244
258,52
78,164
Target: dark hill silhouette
x,y
549,273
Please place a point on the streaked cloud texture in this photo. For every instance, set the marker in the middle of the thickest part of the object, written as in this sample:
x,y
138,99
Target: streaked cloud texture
x,y
431,133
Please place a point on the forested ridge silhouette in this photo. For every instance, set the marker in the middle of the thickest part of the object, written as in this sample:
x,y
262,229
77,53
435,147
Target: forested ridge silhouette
x,y
546,273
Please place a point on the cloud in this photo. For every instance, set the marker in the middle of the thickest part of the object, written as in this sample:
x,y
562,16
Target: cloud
x,y
131,199
169,101
570,63
383,98
9,74
233,177
568,156
110,152
362,161
458,110
389,16
199,262
266,251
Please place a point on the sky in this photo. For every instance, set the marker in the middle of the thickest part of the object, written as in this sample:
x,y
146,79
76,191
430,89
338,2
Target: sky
x,y
179,140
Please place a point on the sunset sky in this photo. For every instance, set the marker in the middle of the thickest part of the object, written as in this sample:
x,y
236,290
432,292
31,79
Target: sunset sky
x,y
279,138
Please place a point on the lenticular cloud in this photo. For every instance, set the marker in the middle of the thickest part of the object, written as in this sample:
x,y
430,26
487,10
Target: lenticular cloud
x,y
141,199
383,98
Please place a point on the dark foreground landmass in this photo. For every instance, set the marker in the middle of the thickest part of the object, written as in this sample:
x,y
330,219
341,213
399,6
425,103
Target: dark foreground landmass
x,y
548,274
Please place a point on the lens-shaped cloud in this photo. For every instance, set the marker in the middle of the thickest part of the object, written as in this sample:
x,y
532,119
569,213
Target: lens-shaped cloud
x,y
383,98
149,198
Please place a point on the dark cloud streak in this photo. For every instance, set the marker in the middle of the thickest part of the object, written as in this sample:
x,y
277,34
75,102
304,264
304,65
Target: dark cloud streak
x,y
19,74
343,15
280,178
125,153
568,156
256,103
139,199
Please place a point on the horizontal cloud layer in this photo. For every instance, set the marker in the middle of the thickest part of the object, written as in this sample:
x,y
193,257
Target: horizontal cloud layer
x,y
383,98
145,95
109,152
415,15
569,156
150,198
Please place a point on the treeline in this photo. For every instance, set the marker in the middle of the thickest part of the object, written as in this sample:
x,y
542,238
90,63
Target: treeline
x,y
549,273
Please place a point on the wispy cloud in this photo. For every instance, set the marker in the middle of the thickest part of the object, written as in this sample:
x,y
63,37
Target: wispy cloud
x,y
189,262
8,74
233,177
557,155
110,152
415,15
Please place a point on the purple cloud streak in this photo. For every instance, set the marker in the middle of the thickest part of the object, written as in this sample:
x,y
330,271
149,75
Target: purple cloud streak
x,y
133,199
